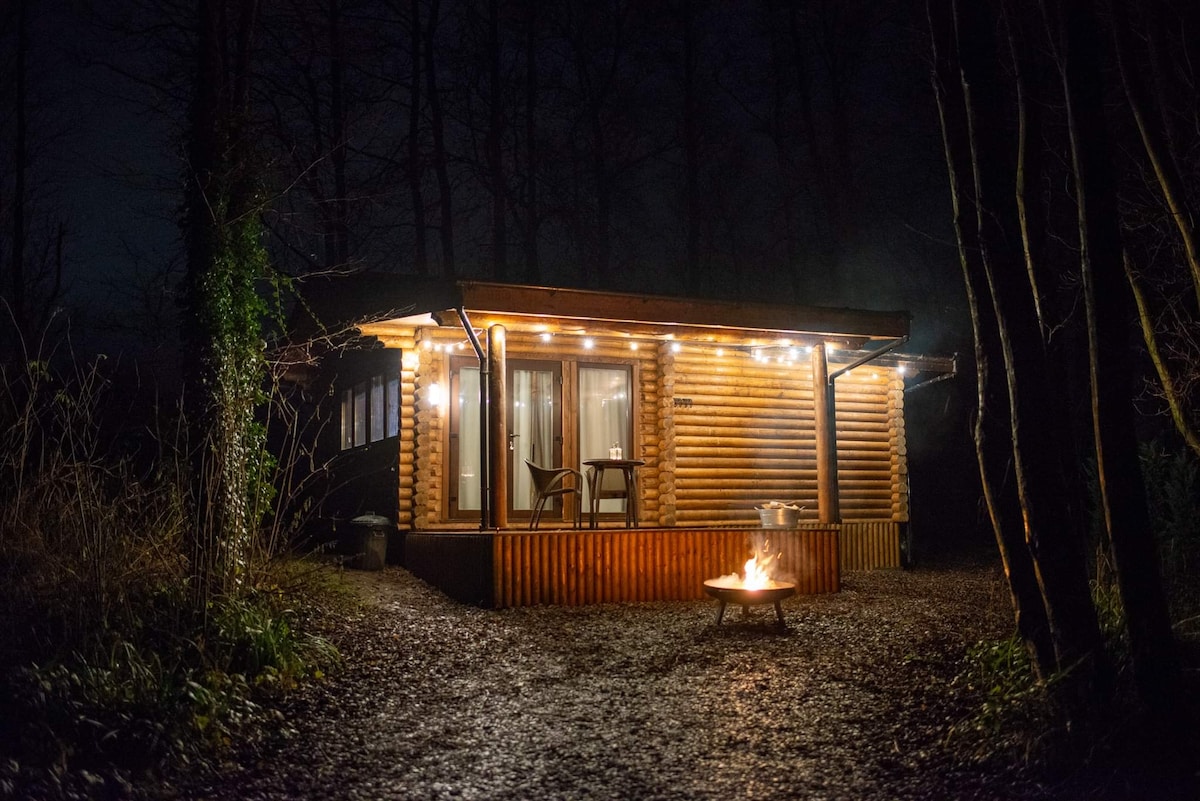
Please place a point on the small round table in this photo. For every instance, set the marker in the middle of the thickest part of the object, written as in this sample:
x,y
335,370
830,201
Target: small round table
x,y
596,491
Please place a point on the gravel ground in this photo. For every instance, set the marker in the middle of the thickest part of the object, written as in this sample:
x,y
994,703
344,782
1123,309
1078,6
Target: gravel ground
x,y
854,700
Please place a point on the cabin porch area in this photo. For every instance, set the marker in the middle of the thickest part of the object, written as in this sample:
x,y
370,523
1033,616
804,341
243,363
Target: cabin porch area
x,y
572,567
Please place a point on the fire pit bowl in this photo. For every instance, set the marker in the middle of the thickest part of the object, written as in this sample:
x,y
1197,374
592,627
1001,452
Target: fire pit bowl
x,y
728,591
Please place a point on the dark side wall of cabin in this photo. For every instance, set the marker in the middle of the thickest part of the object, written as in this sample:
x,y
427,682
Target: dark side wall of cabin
x,y
360,479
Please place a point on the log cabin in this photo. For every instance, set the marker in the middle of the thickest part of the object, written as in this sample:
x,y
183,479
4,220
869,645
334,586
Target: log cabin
x,y
716,408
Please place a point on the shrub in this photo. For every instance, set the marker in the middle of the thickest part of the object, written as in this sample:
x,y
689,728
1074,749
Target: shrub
x,y
109,669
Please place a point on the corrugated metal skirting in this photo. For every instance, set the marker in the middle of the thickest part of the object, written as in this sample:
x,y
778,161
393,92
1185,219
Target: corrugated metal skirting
x,y
576,567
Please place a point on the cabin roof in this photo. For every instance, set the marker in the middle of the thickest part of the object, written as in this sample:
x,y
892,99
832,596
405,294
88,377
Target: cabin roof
x,y
377,302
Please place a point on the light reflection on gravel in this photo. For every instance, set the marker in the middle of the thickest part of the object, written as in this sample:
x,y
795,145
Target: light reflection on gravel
x,y
640,701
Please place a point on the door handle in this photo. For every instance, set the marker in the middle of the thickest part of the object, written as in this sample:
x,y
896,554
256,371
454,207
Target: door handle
x,y
512,445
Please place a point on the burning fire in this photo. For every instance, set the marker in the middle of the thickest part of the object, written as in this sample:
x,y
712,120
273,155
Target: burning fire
x,y
757,574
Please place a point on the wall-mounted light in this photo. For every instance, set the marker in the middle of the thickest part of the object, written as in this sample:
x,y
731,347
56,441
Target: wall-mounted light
x,y
435,395
546,336
589,343
676,347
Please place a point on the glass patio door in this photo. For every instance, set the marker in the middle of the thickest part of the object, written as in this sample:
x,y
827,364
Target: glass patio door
x,y
605,419
534,430
534,433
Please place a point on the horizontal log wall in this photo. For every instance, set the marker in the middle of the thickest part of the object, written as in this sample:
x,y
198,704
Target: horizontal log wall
x,y
428,501
578,567
744,433
719,434
407,467
899,460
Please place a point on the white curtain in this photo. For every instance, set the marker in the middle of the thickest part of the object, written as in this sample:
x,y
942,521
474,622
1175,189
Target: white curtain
x,y
469,469
604,414
533,424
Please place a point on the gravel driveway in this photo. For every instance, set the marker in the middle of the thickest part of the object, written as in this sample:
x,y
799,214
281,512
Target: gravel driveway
x,y
854,700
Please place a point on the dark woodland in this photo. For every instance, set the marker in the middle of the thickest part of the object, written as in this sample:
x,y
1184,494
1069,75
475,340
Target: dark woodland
x,y
1020,175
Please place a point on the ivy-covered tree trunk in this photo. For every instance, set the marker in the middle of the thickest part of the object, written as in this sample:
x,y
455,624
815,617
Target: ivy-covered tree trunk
x,y
223,345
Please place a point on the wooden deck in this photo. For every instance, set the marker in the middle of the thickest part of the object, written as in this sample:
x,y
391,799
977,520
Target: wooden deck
x,y
588,566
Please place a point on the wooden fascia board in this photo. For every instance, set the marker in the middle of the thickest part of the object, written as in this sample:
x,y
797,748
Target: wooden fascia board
x,y
651,311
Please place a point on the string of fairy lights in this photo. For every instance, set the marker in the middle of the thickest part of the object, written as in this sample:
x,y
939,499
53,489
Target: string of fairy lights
x,y
783,353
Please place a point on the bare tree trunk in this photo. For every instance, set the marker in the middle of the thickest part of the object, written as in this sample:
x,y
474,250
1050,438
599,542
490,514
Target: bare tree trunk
x,y
338,251
691,147
1166,379
495,140
533,271
1053,533
1170,184
21,162
992,443
1122,493
415,163
1156,141
603,186
439,145
1029,162
816,163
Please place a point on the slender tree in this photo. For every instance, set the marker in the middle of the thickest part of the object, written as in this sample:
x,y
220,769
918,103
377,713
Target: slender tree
x,y
1053,531
32,242
991,430
416,161
222,330
441,165
1122,492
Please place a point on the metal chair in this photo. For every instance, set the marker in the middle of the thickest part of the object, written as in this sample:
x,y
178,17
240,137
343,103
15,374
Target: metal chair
x,y
549,482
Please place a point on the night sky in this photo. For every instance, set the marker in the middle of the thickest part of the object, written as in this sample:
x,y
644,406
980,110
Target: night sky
x,y
109,102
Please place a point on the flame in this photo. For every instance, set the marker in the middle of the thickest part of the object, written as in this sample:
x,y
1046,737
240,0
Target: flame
x,y
757,574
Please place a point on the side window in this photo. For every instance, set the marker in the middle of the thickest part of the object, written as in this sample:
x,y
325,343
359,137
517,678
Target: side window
x,y
347,419
369,411
377,408
393,408
360,414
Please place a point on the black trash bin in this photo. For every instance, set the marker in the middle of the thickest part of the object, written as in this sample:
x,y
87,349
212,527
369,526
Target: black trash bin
x,y
370,539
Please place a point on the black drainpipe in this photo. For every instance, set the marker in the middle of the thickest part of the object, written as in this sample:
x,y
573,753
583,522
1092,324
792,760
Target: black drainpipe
x,y
485,459
875,354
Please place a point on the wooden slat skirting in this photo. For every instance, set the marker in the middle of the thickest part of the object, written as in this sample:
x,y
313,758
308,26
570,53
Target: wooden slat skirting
x,y
577,567
869,545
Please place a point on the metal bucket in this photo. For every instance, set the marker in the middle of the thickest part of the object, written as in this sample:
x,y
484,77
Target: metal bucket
x,y
778,517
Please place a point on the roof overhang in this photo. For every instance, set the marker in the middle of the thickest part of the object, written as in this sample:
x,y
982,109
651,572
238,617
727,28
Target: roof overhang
x,y
382,304
376,303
